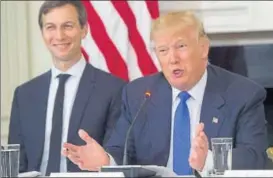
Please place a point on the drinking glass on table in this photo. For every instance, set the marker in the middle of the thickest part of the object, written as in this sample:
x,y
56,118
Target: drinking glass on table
x,y
10,156
222,155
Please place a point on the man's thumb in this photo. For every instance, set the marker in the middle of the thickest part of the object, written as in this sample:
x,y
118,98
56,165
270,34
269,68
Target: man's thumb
x,y
200,128
85,137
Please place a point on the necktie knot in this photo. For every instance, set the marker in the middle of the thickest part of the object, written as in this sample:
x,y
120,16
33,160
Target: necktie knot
x,y
184,96
63,78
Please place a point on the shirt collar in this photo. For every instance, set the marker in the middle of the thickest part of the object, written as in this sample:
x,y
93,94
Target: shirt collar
x,y
196,92
76,70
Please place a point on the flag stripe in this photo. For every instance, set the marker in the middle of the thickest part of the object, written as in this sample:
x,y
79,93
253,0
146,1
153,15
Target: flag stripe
x,y
115,62
134,70
144,23
85,55
153,8
144,59
94,53
114,25
118,39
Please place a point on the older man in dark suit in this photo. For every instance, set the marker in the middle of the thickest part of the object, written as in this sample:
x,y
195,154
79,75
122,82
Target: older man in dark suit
x,y
190,103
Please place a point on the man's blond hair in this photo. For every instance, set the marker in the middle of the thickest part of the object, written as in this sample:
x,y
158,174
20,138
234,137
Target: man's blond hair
x,y
179,18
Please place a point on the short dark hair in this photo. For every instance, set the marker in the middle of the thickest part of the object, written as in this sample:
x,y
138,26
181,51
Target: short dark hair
x,y
49,5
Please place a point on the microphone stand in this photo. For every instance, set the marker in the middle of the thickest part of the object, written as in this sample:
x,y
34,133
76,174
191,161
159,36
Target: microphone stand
x,y
125,154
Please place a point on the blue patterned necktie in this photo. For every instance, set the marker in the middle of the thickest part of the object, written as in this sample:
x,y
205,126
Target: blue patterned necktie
x,y
182,137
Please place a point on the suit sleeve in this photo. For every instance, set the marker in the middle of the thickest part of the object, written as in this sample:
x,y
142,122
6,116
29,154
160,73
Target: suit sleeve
x,y
115,145
114,113
15,136
251,137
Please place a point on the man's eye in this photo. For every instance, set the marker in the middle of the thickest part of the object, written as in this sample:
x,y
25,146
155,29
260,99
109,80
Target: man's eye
x,y
181,45
68,26
49,27
162,50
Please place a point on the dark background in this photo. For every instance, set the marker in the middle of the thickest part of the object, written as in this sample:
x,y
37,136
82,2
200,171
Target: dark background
x,y
254,62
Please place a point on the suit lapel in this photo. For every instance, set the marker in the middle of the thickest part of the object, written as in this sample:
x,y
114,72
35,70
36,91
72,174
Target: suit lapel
x,y
160,119
40,110
87,84
211,114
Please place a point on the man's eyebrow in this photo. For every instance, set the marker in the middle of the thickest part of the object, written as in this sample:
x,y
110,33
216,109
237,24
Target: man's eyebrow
x,y
180,40
166,45
161,46
49,23
67,22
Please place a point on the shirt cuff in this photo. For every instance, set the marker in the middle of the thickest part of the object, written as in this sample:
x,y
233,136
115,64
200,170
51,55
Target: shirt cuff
x,y
112,160
208,165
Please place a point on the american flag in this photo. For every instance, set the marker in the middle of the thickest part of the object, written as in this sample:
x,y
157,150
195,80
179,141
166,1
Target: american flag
x,y
118,39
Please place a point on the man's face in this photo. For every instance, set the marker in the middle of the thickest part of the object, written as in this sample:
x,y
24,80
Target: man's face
x,y
182,56
62,33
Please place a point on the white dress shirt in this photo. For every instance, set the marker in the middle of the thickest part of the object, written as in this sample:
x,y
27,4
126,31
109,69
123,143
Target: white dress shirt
x,y
71,88
194,104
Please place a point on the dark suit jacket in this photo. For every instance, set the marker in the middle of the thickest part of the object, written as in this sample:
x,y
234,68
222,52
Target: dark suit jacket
x,y
236,101
96,109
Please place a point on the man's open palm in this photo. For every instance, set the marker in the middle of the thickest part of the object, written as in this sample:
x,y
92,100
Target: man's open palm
x,y
90,156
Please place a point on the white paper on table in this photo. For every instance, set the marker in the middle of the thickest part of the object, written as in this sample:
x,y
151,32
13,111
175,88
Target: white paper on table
x,y
161,171
248,173
30,174
88,174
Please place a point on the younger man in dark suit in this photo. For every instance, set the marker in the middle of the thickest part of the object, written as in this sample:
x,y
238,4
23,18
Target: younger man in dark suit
x,y
49,109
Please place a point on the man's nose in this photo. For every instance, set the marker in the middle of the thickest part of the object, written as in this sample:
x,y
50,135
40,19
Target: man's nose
x,y
173,57
60,34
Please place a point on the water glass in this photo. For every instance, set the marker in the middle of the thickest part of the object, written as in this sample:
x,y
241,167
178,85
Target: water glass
x,y
10,160
222,155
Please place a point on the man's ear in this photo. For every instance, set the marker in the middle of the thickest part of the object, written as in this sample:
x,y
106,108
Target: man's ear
x,y
204,45
84,31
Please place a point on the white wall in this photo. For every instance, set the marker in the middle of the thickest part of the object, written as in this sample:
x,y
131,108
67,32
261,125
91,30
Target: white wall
x,y
15,67
231,22
233,16
40,59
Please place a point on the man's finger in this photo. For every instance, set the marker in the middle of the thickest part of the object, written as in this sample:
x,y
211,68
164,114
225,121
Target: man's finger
x,y
191,160
83,168
194,155
204,138
80,165
71,147
85,137
64,152
73,153
199,147
199,128
73,159
199,143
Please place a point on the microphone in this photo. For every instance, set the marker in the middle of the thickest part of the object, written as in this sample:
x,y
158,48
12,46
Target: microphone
x,y
125,154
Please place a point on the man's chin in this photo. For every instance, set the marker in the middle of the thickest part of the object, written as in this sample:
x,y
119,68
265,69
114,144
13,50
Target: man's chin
x,y
65,59
62,58
178,84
